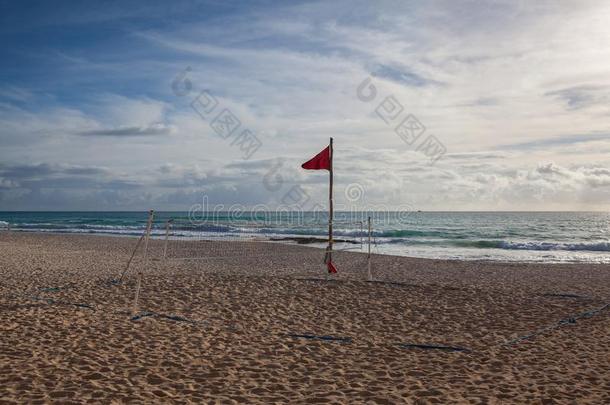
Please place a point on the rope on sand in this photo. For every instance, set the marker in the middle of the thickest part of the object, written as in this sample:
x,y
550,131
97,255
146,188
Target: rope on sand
x,y
565,295
133,254
163,316
433,347
322,280
392,283
111,282
325,338
51,301
51,289
566,321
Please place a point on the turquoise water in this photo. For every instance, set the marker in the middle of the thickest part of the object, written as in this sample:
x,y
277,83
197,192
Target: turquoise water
x,y
505,236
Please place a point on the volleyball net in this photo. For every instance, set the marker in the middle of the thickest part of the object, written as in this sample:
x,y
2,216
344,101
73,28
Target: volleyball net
x,y
176,239
185,239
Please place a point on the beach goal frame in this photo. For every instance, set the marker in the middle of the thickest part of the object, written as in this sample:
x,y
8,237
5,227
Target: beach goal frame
x,y
146,236
364,239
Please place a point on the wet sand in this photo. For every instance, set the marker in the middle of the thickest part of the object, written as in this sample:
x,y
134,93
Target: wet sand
x,y
220,329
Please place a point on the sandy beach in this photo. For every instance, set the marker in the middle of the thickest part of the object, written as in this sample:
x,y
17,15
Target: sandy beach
x,y
225,330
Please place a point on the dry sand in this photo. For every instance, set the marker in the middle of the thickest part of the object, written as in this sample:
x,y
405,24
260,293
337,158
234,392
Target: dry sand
x,y
237,351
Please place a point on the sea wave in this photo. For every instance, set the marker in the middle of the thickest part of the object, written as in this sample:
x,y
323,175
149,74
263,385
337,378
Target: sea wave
x,y
593,246
407,233
601,246
435,238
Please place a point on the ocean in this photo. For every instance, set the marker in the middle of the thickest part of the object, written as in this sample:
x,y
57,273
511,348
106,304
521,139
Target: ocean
x,y
552,237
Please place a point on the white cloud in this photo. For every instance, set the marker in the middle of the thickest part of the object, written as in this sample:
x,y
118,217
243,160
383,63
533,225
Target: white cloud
x,y
508,87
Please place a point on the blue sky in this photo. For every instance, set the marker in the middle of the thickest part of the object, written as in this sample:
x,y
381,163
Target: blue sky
x,y
516,93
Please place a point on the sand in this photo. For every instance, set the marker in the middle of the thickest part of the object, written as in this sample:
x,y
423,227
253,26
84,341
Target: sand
x,y
75,341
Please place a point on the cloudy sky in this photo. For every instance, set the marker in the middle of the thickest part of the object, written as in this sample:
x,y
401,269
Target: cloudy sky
x,y
436,105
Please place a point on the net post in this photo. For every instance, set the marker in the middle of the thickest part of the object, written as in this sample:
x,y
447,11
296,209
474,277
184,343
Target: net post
x,y
326,274
151,215
368,258
167,226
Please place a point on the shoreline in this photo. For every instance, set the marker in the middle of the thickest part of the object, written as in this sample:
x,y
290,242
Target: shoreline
x,y
311,241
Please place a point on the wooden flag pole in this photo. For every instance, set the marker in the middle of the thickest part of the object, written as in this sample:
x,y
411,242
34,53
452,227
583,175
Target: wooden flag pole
x,y
330,206
146,238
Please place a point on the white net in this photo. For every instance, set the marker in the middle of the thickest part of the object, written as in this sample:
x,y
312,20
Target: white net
x,y
282,248
189,240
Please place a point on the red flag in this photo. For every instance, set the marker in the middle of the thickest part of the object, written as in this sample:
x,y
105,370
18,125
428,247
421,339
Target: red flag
x,y
319,162
331,267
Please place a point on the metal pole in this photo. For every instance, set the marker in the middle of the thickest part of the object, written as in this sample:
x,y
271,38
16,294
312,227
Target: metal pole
x,y
369,275
167,225
146,239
